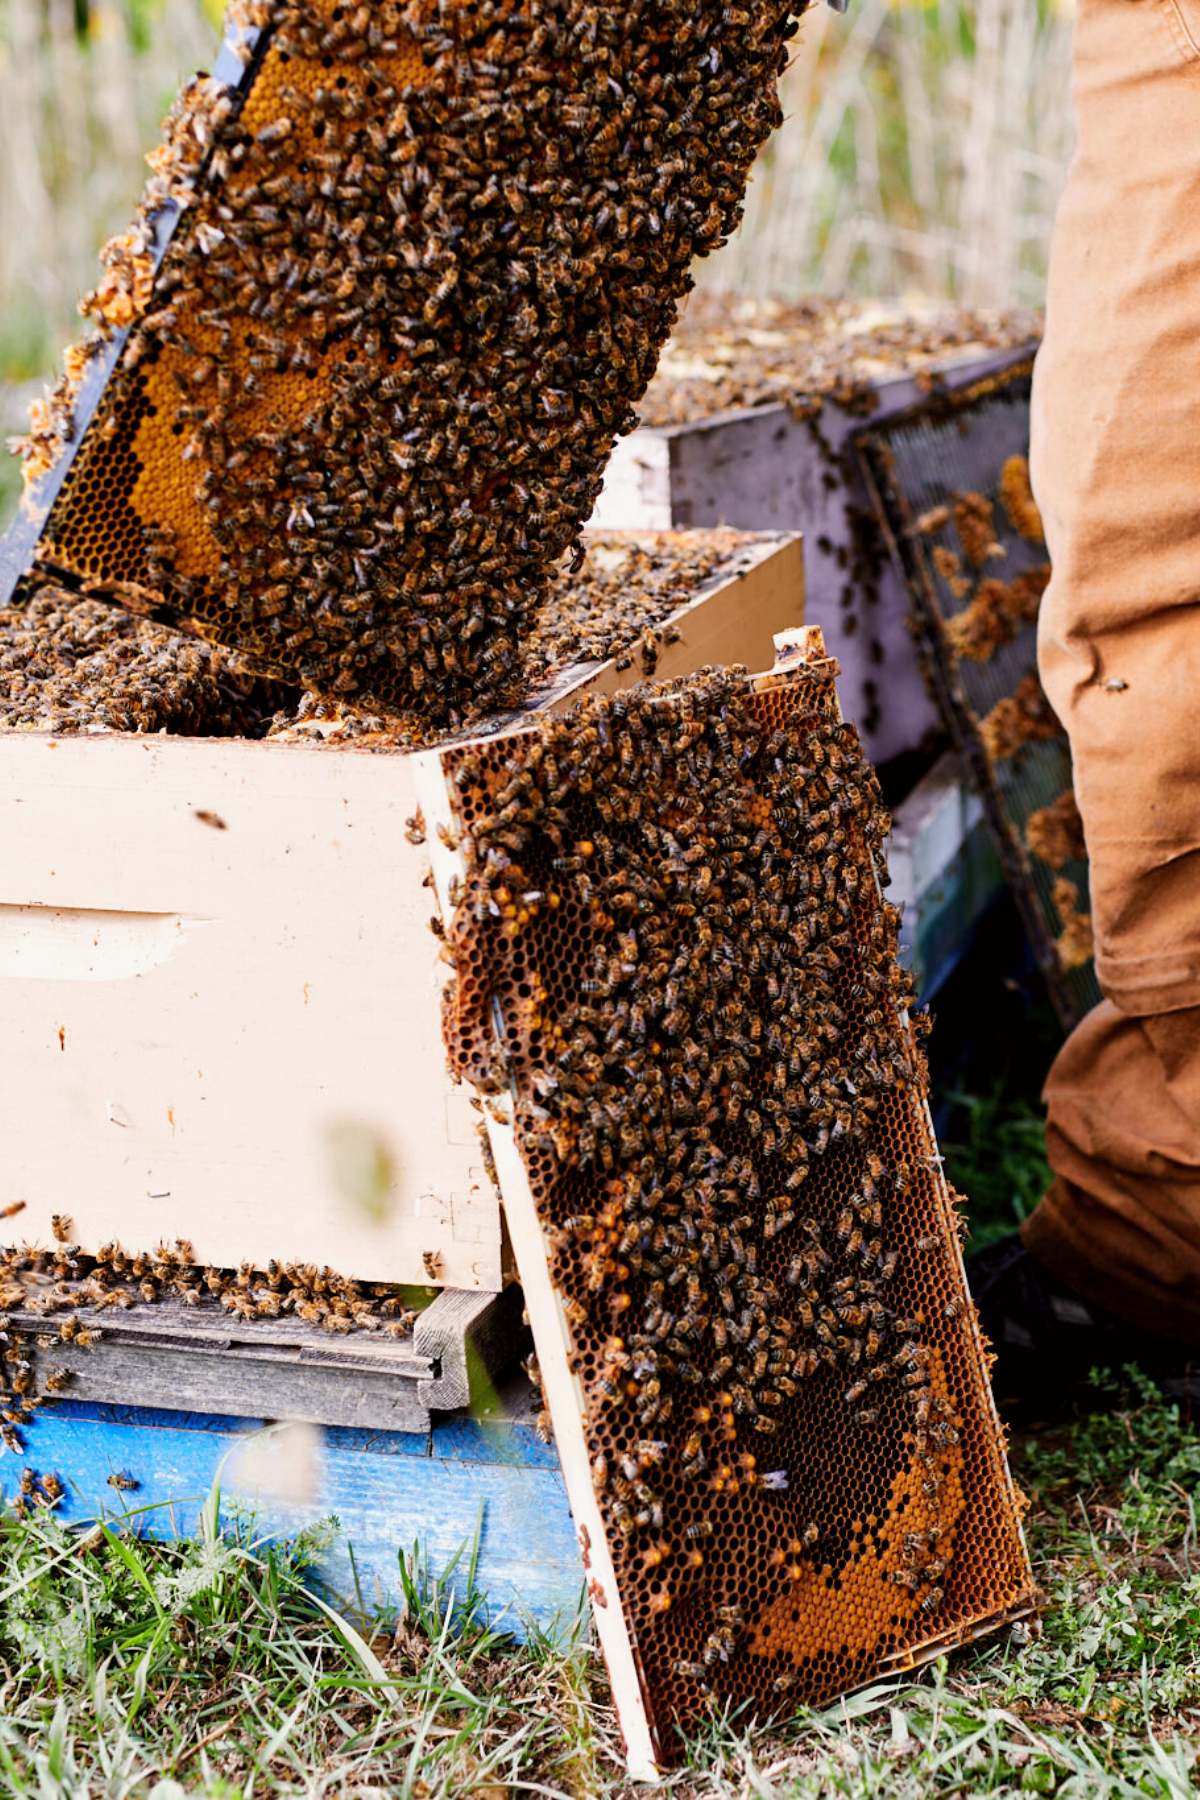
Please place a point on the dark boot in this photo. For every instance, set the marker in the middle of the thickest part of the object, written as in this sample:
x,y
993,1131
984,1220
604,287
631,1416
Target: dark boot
x,y
1048,1340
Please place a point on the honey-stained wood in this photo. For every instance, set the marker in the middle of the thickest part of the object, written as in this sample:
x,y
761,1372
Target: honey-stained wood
x,y
220,989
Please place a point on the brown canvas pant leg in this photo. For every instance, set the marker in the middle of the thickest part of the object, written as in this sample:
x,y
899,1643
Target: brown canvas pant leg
x,y
1121,1223
1116,462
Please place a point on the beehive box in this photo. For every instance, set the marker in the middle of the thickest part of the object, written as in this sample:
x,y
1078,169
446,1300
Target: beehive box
x,y
219,982
749,422
707,1107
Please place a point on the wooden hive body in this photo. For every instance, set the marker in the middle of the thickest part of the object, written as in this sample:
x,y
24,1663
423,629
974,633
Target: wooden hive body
x,y
762,468
220,986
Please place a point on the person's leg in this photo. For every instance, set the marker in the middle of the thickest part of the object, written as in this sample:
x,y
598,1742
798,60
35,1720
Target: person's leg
x,y
1121,1222
1116,467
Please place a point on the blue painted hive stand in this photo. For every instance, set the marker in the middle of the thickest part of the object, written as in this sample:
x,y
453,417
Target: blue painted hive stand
x,y
485,1484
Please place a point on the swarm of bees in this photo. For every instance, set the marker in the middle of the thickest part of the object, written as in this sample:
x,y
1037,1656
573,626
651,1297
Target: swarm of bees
x,y
1076,942
1016,492
998,611
53,1298
37,1490
975,522
1023,717
68,664
671,947
426,268
1055,833
729,351
620,601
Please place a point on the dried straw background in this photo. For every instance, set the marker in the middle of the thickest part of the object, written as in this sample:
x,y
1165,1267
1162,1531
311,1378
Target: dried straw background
x,y
923,151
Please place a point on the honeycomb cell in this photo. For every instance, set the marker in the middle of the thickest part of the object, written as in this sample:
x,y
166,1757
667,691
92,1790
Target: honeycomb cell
x,y
672,948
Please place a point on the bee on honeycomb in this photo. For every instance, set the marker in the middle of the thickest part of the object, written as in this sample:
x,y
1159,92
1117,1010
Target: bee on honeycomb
x,y
1017,494
1024,717
1055,833
975,522
670,946
427,262
1076,942
997,612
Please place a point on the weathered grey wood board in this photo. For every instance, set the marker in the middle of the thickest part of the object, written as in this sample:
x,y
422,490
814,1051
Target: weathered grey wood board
x,y
168,1354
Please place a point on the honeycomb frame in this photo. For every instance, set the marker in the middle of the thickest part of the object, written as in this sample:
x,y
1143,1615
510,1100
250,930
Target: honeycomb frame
x,y
831,1584
423,274
73,408
973,561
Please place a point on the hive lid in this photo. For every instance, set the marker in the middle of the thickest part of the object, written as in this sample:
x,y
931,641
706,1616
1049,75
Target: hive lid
x,y
675,986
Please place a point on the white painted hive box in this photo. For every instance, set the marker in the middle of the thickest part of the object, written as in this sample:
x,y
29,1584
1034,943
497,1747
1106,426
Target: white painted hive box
x,y
220,987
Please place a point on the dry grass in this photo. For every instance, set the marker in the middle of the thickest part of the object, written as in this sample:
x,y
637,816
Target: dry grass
x,y
924,148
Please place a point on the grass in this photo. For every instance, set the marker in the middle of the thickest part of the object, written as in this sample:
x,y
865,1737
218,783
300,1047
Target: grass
x,y
205,1666
996,1154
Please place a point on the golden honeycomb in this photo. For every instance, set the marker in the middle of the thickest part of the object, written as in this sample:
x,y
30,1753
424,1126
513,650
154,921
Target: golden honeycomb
x,y
423,275
669,945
